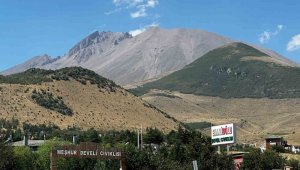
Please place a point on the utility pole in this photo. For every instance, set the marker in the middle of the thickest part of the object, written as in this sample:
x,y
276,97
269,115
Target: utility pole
x,y
138,138
141,137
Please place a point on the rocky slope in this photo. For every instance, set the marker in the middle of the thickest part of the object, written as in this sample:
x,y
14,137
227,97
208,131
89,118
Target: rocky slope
x,y
35,62
128,60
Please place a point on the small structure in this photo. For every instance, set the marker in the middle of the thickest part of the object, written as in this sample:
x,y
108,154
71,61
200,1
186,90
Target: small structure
x,y
275,141
32,144
238,158
296,148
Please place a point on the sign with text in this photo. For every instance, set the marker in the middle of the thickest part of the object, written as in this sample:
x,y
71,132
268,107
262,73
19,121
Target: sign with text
x,y
223,134
89,150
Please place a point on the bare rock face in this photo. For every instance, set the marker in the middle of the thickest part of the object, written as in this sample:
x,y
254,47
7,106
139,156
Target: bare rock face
x,y
96,43
126,59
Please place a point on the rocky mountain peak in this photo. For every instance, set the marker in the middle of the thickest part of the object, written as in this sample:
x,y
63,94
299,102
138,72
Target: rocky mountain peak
x,y
95,44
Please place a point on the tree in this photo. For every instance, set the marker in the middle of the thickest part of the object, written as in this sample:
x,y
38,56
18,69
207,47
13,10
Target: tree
x,y
153,135
6,157
252,160
294,163
43,153
267,160
272,160
24,158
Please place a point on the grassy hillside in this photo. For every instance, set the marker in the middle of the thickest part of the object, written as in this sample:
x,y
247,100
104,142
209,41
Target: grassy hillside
x,y
255,118
76,97
235,70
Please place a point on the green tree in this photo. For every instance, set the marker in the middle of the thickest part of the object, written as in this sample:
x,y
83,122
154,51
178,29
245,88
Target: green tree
x,y
253,159
153,135
272,160
294,163
6,157
43,153
25,159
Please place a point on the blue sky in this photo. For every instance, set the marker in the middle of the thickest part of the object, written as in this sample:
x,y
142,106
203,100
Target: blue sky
x,y
34,27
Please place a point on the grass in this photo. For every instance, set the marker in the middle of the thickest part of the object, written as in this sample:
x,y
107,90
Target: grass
x,y
221,72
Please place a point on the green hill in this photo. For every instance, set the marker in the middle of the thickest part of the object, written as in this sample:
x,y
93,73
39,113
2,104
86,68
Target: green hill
x,y
38,76
235,70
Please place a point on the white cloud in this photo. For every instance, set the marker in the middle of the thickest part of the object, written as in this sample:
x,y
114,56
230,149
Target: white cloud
x,y
264,37
140,6
141,30
127,2
137,31
152,3
113,11
140,13
267,35
294,43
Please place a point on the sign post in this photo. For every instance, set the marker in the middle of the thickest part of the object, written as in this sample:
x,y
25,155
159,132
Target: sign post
x,y
195,166
87,150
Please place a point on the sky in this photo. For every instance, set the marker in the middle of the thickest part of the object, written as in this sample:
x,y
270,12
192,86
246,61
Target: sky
x,y
33,27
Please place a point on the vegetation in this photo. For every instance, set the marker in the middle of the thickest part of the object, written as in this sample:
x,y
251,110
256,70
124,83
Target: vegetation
x,y
6,157
198,125
223,72
49,101
267,160
176,151
38,76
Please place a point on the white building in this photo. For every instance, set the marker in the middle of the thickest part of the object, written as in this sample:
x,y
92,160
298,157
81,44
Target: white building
x,y
296,148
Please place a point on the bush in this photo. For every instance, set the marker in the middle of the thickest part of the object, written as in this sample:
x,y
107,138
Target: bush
x,y
49,101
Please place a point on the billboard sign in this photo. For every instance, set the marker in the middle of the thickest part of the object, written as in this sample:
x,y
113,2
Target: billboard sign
x,y
223,134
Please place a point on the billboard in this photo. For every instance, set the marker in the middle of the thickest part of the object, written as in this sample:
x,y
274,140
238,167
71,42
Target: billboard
x,y
223,134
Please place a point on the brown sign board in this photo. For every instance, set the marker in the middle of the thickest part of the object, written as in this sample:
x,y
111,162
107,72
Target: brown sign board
x,y
89,150
86,150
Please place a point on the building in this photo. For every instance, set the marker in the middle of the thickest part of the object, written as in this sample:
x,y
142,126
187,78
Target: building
x,y
32,144
238,158
296,148
274,140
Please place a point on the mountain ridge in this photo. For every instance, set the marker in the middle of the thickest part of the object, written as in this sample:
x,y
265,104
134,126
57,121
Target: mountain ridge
x,y
131,60
235,70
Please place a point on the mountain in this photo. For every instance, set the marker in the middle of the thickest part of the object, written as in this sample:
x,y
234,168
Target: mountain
x,y
35,62
126,59
76,97
132,61
234,70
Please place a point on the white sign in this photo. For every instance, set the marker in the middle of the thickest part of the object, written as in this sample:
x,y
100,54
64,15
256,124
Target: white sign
x,y
223,134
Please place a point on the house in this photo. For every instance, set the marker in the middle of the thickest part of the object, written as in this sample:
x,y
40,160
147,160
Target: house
x,y
32,144
274,140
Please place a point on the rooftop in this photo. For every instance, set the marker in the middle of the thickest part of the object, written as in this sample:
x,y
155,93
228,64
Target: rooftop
x,y
30,143
274,137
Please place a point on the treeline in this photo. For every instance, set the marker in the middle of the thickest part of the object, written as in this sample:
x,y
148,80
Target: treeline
x,y
175,150
49,101
38,76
